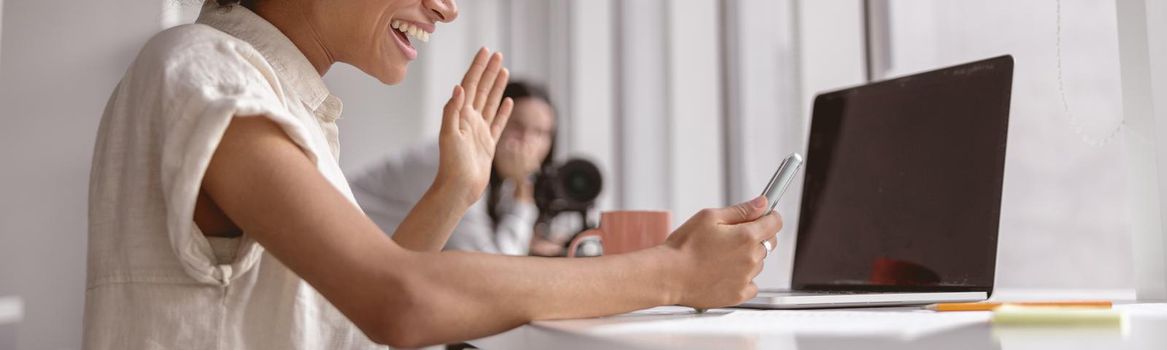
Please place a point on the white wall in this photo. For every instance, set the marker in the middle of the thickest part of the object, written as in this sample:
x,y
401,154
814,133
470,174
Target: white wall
x,y
60,61
590,119
1064,220
643,127
830,48
669,118
694,81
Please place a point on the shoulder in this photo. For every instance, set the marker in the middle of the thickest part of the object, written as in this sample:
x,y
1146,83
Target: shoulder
x,y
422,155
201,57
192,42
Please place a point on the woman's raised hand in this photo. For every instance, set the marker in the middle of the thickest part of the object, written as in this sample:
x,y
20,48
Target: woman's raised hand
x,y
472,121
720,253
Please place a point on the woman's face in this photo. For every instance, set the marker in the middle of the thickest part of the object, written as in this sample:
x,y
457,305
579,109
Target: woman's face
x,y
532,123
380,36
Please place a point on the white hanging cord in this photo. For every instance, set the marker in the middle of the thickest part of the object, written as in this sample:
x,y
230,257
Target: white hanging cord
x,y
1075,124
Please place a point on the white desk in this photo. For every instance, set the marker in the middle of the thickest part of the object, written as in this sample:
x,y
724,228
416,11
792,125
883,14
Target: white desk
x,y
675,328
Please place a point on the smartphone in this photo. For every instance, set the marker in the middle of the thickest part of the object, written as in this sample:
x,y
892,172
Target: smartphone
x,y
781,179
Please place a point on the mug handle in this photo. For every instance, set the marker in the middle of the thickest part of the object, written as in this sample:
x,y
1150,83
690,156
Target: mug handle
x,y
584,236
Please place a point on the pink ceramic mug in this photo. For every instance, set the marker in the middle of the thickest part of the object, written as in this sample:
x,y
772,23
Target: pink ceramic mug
x,y
626,231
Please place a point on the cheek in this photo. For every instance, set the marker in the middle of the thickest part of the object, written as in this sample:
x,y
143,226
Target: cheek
x,y
544,146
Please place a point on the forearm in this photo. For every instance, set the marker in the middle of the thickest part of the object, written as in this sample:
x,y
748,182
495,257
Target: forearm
x,y
431,221
468,295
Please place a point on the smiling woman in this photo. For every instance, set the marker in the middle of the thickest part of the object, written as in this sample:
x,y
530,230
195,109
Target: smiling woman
x,y
219,217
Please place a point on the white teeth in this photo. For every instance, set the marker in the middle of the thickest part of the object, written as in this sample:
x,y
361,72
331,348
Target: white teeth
x,y
411,30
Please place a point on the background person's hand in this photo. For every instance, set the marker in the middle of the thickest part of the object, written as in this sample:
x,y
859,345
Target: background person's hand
x,y
721,252
472,121
517,160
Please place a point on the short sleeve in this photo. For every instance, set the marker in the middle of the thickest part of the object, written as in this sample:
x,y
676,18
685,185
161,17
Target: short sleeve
x,y
203,86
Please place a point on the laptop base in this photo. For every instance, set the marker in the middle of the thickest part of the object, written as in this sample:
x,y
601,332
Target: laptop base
x,y
784,300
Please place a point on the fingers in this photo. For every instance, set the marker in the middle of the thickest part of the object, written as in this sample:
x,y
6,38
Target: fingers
x,y
487,81
749,292
474,75
741,212
756,250
764,228
757,269
495,97
450,111
484,84
504,114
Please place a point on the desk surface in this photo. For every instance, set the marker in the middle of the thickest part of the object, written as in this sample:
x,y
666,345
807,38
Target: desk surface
x,y
1145,327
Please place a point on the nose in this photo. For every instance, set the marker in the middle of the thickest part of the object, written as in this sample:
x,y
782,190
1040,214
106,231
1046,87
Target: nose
x,y
443,10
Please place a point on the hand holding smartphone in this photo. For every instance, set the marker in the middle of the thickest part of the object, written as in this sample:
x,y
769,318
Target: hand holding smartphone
x,y
774,190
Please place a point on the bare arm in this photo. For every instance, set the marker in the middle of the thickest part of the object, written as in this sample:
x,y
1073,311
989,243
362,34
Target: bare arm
x,y
431,221
267,186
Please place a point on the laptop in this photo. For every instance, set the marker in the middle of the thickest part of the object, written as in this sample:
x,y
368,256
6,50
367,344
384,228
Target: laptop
x,y
901,201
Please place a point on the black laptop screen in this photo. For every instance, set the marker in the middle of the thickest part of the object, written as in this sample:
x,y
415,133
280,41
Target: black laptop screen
x,y
903,182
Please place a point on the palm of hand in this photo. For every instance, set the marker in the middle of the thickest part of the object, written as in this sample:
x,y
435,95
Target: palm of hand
x,y
468,151
472,121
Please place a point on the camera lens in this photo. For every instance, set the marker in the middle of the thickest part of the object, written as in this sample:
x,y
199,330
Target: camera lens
x,y
571,186
581,180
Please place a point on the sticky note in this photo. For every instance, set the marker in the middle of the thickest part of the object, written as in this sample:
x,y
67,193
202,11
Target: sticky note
x,y
1010,315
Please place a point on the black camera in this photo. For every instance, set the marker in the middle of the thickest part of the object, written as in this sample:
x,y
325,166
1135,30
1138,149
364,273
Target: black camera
x,y
569,187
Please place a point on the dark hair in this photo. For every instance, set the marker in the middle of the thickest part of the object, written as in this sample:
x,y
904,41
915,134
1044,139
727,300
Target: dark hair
x,y
518,90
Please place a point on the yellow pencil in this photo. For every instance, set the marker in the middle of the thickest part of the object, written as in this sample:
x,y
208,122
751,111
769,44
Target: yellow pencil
x,y
989,305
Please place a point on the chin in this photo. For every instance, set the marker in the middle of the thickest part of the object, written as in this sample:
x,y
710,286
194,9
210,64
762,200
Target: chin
x,y
391,76
389,73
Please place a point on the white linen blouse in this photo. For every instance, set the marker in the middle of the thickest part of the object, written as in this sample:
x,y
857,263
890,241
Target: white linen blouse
x,y
154,280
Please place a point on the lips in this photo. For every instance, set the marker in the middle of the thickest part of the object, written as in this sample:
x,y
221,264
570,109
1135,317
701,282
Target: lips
x,y
404,45
402,31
